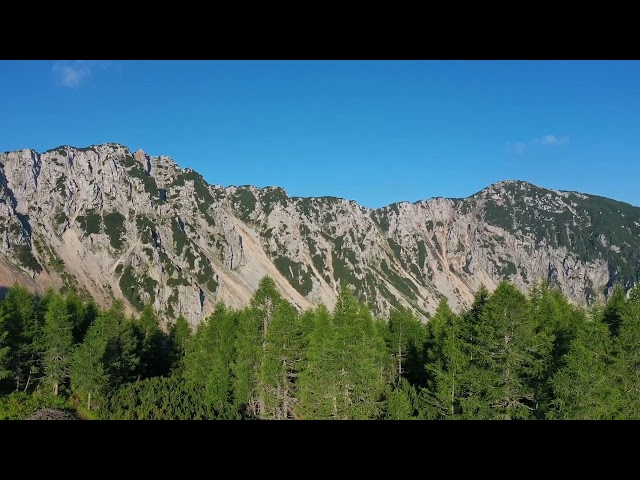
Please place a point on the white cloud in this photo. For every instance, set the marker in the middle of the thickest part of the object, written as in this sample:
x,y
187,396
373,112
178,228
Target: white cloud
x,y
71,73
519,148
553,140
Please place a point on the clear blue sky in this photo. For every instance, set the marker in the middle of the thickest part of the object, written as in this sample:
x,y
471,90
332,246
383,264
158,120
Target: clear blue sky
x,y
373,131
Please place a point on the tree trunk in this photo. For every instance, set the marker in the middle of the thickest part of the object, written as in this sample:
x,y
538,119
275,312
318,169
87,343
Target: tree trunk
x,y
89,401
55,388
28,382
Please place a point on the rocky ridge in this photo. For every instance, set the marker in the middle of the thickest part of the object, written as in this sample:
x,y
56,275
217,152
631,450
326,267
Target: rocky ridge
x,y
122,224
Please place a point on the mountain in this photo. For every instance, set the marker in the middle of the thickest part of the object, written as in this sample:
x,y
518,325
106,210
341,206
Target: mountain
x,y
117,224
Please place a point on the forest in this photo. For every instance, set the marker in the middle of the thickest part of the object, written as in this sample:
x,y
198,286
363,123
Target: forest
x,y
511,355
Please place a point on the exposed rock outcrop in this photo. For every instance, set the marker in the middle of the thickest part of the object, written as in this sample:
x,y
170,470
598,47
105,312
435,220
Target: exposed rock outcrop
x,y
138,227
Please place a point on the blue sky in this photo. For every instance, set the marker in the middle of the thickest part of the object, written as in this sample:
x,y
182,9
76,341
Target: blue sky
x,y
373,131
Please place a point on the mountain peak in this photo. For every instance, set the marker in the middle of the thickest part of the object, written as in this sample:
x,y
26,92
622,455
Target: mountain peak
x,y
117,224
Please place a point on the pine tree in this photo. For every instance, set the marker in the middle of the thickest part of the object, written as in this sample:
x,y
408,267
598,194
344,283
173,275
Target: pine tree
x,y
82,315
317,387
5,349
508,354
24,330
585,388
405,340
361,355
556,319
250,346
57,343
400,401
180,335
208,360
446,363
281,362
107,357
626,364
154,361
614,308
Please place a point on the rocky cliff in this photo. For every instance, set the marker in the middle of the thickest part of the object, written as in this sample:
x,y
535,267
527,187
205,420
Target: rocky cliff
x,y
117,224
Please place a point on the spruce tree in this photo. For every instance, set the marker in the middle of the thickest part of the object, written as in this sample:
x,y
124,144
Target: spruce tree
x,y
250,346
180,335
509,353
585,387
626,365
446,363
281,362
57,343
317,387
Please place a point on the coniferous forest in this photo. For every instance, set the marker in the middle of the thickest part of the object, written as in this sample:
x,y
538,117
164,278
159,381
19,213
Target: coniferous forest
x,y
509,356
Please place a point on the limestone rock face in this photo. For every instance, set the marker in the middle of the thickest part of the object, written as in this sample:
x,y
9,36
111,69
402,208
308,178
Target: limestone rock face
x,y
117,224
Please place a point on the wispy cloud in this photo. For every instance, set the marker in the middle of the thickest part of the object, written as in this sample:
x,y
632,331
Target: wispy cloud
x,y
520,148
552,140
71,73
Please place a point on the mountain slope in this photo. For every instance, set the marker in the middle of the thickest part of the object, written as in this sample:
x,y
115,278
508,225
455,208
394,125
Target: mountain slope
x,y
118,224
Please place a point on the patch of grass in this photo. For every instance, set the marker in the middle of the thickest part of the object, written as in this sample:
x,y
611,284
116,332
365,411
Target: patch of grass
x,y
90,223
129,286
395,247
381,218
114,228
149,286
507,268
320,261
60,186
145,226
174,282
307,207
434,239
26,258
404,286
244,201
298,278
168,267
422,253
190,257
179,236
60,218
273,196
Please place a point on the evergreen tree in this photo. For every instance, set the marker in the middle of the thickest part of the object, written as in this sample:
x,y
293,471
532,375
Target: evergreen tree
x,y
107,357
556,319
281,362
405,340
179,337
614,308
446,363
208,359
585,388
154,361
626,364
400,401
5,349
57,343
250,346
361,354
508,355
24,329
82,315
317,388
